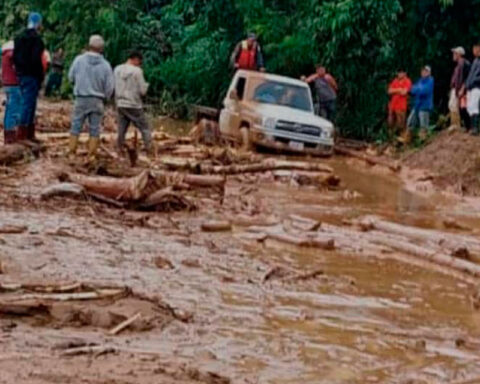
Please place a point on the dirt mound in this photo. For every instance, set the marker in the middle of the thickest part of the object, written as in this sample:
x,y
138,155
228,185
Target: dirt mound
x,y
452,160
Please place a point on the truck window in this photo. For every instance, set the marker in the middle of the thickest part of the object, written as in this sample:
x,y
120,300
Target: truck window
x,y
241,82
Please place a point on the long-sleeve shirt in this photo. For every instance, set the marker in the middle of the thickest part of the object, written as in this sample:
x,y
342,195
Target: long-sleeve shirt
x,y
130,86
92,76
473,79
422,91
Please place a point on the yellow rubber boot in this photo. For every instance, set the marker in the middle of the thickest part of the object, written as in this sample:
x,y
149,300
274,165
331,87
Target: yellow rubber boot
x,y
93,145
72,147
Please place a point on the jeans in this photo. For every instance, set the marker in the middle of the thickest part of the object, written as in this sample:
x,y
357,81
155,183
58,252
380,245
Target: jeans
x,y
136,116
90,109
327,109
54,83
30,86
418,119
13,108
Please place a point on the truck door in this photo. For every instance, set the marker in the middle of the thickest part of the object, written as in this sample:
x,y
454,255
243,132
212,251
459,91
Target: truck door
x,y
230,117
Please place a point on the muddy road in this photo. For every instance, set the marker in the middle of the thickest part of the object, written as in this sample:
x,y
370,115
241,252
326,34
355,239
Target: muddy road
x,y
226,307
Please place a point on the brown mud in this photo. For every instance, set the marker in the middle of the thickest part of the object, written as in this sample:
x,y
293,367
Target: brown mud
x,y
238,305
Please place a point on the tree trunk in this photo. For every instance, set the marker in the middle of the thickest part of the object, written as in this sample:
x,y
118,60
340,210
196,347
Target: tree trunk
x,y
123,189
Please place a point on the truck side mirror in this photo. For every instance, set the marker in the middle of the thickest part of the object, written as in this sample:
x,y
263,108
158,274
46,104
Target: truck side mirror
x,y
233,95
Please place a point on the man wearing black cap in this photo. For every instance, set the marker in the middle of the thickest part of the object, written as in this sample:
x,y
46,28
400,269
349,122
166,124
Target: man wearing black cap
x,y
27,56
457,102
248,55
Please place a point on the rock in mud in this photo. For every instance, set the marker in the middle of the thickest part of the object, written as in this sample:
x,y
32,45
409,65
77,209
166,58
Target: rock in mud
x,y
162,263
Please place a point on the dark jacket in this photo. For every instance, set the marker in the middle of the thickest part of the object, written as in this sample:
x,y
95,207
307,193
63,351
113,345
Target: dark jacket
x,y
460,75
27,54
422,91
473,79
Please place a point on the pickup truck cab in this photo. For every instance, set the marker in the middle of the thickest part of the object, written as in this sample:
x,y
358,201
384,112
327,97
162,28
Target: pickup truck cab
x,y
275,112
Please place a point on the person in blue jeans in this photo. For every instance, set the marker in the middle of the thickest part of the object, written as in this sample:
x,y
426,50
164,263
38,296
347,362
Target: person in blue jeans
x,y
13,107
27,56
422,92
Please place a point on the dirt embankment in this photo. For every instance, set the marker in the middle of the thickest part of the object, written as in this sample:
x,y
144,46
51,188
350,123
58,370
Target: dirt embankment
x,y
452,162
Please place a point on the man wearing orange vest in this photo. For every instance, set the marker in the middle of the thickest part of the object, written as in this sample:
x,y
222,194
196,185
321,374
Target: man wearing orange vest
x,y
248,55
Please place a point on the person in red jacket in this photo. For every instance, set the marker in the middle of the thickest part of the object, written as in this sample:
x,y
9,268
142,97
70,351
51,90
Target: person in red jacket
x,y
248,55
398,91
13,107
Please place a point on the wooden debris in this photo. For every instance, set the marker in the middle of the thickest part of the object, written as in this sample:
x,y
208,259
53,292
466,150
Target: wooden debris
x,y
216,226
127,323
123,189
94,350
453,224
13,229
165,200
236,169
62,189
62,297
395,167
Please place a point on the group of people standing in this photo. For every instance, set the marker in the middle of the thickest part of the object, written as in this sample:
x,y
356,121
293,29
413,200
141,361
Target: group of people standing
x,y
464,98
24,65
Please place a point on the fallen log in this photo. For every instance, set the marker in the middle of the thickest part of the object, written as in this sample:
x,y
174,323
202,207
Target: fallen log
x,y
124,325
431,255
94,350
123,189
216,226
165,200
308,178
235,169
395,167
62,189
201,181
327,244
443,239
45,297
13,229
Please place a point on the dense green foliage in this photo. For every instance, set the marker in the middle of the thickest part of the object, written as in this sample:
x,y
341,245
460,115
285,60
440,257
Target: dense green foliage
x,y
187,43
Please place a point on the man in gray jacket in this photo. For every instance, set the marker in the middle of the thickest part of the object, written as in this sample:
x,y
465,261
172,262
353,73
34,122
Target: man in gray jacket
x,y
130,88
92,77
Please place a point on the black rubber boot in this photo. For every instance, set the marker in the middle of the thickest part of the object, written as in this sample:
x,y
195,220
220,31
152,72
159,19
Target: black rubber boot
x,y
475,125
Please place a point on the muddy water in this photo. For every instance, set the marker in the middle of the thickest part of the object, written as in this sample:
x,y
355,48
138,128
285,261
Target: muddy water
x,y
363,321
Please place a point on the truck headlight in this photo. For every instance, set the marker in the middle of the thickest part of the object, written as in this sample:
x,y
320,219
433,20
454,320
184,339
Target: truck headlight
x,y
326,134
269,122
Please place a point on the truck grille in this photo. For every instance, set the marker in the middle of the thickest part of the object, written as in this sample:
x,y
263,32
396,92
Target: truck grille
x,y
288,126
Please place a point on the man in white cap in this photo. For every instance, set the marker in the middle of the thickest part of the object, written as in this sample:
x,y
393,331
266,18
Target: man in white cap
x,y
93,81
457,102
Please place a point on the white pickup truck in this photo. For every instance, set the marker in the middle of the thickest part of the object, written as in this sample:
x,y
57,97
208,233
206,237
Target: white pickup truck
x,y
275,112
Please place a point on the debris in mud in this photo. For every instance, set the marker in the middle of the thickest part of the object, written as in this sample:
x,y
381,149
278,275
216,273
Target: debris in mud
x,y
216,226
453,224
62,190
82,306
289,276
369,159
162,263
125,324
13,229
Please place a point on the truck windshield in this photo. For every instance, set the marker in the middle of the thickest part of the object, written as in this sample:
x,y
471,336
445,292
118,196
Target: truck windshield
x,y
288,95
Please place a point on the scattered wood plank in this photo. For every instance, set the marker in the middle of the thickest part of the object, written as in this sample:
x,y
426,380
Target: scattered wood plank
x,y
124,325
395,167
13,229
122,189
216,226
95,350
81,296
